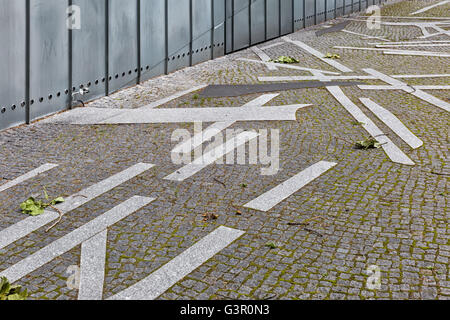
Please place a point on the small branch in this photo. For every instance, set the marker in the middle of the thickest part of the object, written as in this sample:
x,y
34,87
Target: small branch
x,y
57,221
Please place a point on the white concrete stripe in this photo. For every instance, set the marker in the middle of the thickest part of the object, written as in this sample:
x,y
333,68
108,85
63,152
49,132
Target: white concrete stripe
x,y
213,114
312,78
270,46
211,157
217,127
364,35
375,87
393,123
341,78
73,239
318,55
413,45
392,151
264,57
430,7
92,266
280,193
398,52
409,42
417,93
31,224
287,66
173,97
417,53
33,173
181,266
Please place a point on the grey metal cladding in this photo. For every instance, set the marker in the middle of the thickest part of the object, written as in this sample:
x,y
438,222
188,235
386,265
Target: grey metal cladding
x,y
339,8
201,30
123,44
330,9
153,42
12,67
298,14
273,19
310,12
219,28
49,62
241,24
179,34
229,26
286,16
88,53
320,7
258,21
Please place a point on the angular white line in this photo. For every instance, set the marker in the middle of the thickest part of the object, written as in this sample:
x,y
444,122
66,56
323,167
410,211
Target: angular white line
x,y
318,54
217,127
430,7
31,224
413,45
418,76
172,97
211,157
365,35
409,42
214,114
392,151
33,173
394,123
375,87
417,93
340,78
92,266
287,66
270,46
417,53
181,266
275,196
264,57
76,237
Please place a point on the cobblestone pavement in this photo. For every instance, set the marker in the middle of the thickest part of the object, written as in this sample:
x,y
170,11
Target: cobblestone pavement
x,y
365,211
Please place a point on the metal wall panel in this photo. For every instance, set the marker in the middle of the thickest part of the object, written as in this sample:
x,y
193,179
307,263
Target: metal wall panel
x,y
356,4
219,27
241,24
310,12
273,19
339,8
364,4
347,6
330,9
12,67
179,34
286,17
88,54
298,14
153,42
258,21
229,26
123,43
49,61
320,7
201,30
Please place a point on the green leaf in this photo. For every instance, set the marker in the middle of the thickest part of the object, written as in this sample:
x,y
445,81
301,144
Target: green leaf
x,y
58,200
286,60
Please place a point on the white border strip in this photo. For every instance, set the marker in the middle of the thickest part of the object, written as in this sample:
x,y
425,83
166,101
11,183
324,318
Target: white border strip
x,y
181,266
275,196
172,97
217,127
76,237
264,57
392,151
393,122
318,55
31,224
33,173
92,266
287,66
430,7
211,157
